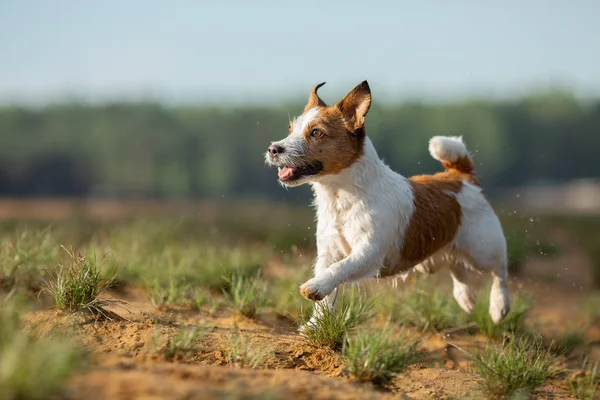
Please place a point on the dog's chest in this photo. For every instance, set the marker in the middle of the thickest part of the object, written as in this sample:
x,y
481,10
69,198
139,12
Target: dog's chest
x,y
344,219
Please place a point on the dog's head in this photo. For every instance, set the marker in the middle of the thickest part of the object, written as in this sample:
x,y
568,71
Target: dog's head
x,y
323,140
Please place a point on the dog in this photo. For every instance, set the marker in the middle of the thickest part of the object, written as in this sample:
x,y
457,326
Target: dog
x,y
373,222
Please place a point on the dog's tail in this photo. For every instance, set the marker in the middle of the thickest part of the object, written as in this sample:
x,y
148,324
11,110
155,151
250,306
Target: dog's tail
x,y
452,153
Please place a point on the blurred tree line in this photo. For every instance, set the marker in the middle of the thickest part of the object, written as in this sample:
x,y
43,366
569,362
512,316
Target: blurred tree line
x,y
149,150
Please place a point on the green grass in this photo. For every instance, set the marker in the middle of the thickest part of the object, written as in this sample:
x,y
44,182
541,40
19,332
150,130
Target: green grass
x,y
78,285
217,265
22,253
241,353
181,345
513,323
591,308
248,295
290,304
31,369
514,368
521,246
377,356
584,384
588,237
427,307
569,341
175,275
188,266
330,328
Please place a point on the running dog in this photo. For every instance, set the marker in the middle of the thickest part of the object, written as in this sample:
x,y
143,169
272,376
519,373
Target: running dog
x,y
373,222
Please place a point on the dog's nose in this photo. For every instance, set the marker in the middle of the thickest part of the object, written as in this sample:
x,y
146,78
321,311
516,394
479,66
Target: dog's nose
x,y
275,149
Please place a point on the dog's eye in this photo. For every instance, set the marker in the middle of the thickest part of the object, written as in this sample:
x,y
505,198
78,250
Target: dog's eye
x,y
316,133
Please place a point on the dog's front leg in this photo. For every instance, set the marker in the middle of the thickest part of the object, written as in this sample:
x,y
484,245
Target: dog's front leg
x,y
328,302
364,261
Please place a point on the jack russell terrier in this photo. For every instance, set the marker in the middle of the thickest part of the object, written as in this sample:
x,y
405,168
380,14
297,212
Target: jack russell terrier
x,y
373,222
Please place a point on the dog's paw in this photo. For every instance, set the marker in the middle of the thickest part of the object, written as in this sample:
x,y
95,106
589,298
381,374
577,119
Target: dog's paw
x,y
308,326
315,289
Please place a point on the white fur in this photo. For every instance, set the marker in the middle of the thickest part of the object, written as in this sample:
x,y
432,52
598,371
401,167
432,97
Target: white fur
x,y
294,143
447,148
363,213
303,120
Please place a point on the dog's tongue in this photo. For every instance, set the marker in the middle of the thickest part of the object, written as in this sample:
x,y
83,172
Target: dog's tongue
x,y
286,172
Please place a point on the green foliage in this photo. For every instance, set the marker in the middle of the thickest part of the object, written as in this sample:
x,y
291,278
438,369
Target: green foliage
x,y
584,383
514,368
96,148
427,307
588,236
240,353
23,253
30,369
181,345
526,238
521,246
378,356
181,275
289,303
513,323
331,328
247,294
78,285
569,341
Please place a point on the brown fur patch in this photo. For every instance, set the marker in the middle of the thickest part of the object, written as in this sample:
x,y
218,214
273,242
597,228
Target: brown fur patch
x,y
340,137
437,215
450,175
355,106
313,98
336,148
463,165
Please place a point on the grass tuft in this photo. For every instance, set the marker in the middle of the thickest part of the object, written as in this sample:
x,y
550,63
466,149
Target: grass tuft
x,y
330,328
514,368
78,286
428,309
568,342
240,353
22,253
513,323
221,263
247,294
183,344
377,356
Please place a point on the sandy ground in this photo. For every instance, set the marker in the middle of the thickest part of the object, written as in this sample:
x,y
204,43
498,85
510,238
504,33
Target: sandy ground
x,y
125,359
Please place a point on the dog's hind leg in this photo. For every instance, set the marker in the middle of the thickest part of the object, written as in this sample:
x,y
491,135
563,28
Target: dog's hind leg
x,y
463,293
482,245
499,298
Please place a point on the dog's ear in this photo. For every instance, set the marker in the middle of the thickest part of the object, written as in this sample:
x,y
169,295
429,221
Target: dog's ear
x,y
355,106
313,99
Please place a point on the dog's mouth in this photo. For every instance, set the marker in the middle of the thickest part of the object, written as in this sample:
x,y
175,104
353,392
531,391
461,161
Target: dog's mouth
x,y
289,173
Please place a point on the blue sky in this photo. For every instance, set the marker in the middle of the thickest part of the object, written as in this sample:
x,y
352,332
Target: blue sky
x,y
221,50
